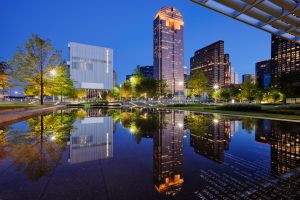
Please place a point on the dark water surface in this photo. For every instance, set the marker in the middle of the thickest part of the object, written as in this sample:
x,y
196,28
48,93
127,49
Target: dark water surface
x,y
146,154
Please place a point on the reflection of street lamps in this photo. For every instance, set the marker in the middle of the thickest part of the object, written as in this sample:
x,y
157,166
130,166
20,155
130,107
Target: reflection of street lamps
x,y
216,121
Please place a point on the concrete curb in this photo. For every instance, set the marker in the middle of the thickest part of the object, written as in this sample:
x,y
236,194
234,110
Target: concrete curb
x,y
12,117
236,115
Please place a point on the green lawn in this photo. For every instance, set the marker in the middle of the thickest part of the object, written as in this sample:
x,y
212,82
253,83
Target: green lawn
x,y
278,112
14,106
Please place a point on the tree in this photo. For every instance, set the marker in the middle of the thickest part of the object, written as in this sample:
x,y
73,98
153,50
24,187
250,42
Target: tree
x,y
30,61
289,84
233,92
225,94
5,72
61,84
248,90
115,92
147,88
273,96
81,93
198,83
162,88
216,95
126,90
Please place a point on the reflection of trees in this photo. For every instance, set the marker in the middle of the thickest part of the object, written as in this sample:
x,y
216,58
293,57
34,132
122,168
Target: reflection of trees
x,y
3,145
209,135
198,124
140,123
248,124
39,151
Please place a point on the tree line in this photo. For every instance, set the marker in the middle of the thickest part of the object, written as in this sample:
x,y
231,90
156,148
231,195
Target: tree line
x,y
247,91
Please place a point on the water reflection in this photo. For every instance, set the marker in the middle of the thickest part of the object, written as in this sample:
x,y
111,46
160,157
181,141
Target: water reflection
x,y
221,160
209,136
168,153
92,137
37,150
284,138
141,123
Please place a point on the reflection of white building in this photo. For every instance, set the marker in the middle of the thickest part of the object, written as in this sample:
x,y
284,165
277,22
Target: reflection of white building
x,y
92,139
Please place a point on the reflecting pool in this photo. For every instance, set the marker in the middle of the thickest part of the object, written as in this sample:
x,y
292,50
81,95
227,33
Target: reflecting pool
x,y
148,154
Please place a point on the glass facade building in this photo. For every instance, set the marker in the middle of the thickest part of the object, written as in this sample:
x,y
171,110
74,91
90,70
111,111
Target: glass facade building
x,y
263,74
214,63
168,49
146,71
249,76
91,67
285,55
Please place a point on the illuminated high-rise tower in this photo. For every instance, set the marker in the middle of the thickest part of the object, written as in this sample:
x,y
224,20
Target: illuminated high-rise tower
x,y
168,49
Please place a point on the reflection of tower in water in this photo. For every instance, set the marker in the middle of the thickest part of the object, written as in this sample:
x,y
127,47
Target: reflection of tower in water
x,y
284,138
285,147
168,153
213,141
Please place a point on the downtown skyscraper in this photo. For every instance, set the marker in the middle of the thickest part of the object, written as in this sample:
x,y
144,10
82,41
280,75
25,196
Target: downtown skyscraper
x,y
168,49
214,64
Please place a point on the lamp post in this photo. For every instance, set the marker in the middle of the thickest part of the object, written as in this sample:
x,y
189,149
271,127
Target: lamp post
x,y
53,73
215,87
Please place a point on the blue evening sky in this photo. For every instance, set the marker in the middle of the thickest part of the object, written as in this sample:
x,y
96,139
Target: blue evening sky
x,y
126,26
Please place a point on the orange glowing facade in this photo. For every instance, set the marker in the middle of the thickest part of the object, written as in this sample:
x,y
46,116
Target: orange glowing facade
x,y
168,49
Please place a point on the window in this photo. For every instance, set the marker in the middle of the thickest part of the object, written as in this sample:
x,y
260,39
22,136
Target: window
x,y
89,66
75,65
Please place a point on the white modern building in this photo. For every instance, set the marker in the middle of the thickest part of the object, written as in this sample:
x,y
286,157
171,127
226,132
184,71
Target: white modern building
x,y
91,67
91,139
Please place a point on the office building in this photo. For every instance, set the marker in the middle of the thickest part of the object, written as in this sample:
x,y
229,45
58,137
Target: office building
x,y
280,17
91,67
214,63
234,77
263,74
186,77
249,76
91,139
285,57
168,153
168,49
145,71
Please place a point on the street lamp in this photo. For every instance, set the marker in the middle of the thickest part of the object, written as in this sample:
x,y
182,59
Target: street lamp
x,y
216,86
216,121
53,73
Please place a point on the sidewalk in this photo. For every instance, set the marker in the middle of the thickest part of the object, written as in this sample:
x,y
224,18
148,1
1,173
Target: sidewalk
x,y
21,114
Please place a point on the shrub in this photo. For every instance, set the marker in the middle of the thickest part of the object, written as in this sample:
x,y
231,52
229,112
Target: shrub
x,y
240,107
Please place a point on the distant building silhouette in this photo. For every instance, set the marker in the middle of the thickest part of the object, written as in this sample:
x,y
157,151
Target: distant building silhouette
x,y
263,74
